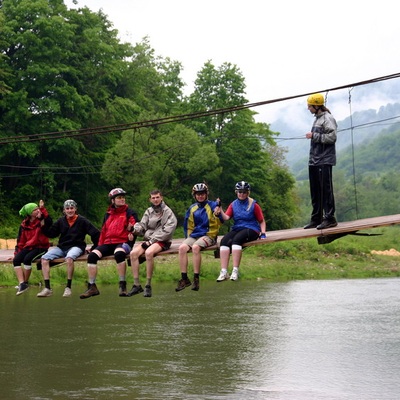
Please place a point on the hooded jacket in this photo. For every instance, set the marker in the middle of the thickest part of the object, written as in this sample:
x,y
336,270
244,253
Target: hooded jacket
x,y
322,145
158,224
115,225
30,234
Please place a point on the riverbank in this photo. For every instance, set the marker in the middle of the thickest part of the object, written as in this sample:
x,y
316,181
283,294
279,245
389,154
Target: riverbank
x,y
349,257
283,263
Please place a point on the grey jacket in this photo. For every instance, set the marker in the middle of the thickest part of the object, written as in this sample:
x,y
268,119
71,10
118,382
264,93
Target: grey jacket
x,y
322,147
158,224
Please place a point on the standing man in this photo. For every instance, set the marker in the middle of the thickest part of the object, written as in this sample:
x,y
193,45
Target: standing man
x,y
116,239
157,227
322,159
201,227
72,229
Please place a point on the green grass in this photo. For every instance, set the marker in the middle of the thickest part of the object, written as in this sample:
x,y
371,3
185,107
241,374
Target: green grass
x,y
346,258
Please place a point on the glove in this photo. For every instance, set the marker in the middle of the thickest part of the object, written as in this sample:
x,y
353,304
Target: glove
x,y
263,236
145,245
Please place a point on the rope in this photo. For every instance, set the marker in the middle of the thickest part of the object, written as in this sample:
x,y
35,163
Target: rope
x,y
170,119
352,154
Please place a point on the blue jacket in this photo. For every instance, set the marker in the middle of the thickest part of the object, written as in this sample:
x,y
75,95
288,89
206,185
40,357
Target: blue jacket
x,y
201,221
243,215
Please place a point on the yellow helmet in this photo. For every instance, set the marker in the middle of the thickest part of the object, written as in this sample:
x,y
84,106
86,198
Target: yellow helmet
x,y
316,99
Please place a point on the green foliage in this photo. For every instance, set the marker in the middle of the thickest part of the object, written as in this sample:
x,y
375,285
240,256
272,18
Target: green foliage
x,y
66,71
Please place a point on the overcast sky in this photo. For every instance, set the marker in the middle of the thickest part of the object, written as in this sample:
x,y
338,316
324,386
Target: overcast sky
x,y
283,48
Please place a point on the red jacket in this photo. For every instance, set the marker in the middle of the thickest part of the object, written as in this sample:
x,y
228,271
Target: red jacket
x,y
115,225
30,236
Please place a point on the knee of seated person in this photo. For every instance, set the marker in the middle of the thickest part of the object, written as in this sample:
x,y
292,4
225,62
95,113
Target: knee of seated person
x,y
27,267
183,248
93,258
119,256
196,249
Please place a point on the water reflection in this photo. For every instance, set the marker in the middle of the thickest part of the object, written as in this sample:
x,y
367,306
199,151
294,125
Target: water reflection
x,y
233,340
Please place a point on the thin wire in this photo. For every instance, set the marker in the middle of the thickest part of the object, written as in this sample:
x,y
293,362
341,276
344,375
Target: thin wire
x,y
177,118
352,154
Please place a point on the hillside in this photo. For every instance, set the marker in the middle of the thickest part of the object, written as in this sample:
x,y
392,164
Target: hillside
x,y
367,126
374,106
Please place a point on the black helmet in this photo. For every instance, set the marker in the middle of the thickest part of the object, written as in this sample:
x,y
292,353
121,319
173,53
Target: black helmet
x,y
116,192
199,187
242,185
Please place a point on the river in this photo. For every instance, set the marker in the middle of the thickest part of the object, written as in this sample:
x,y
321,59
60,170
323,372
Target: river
x,y
301,340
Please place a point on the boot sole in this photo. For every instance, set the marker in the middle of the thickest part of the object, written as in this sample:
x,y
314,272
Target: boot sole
x,y
86,297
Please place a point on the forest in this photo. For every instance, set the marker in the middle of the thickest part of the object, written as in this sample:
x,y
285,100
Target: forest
x,y
81,112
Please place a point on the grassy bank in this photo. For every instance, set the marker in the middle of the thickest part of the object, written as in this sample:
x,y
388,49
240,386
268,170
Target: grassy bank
x,y
349,257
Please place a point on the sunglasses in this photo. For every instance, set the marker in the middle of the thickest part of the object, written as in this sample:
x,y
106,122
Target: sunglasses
x,y
242,191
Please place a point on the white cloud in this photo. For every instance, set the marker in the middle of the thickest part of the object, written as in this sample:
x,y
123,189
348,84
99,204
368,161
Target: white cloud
x,y
283,48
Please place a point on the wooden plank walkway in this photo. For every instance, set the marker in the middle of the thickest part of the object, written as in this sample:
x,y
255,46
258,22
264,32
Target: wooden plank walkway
x,y
323,236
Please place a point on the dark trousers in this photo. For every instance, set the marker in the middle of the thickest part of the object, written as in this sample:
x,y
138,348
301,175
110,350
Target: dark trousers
x,y
321,190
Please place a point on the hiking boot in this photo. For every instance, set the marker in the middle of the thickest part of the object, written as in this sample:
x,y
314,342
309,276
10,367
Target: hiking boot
x,y
147,291
91,291
182,284
135,290
235,275
196,284
223,276
122,289
327,223
311,225
45,293
67,292
23,287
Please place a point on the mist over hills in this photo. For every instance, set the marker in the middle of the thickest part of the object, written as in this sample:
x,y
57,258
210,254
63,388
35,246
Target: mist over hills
x,y
362,113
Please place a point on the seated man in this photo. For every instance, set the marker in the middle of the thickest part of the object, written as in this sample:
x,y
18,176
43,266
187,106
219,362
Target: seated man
x,y
201,227
72,229
157,226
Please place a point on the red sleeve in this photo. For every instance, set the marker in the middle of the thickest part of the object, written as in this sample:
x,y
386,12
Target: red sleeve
x,y
258,213
229,211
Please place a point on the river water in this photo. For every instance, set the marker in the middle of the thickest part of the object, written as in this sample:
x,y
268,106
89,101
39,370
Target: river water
x,y
302,340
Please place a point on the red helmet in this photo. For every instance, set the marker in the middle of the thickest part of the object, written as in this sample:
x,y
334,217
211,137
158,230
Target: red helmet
x,y
116,192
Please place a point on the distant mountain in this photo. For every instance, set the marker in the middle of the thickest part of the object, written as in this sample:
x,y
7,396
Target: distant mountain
x,y
362,127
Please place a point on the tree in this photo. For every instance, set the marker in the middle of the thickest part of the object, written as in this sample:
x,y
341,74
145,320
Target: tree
x,y
244,147
64,69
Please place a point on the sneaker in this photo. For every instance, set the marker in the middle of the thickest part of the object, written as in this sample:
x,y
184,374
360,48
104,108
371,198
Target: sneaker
x,y
23,287
223,276
235,275
122,289
196,284
67,292
182,284
135,290
45,293
91,291
147,291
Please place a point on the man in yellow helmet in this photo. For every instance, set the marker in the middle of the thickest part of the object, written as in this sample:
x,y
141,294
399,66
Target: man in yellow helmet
x,y
321,160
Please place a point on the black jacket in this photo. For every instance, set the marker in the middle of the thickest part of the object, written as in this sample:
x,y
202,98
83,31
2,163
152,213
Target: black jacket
x,y
71,236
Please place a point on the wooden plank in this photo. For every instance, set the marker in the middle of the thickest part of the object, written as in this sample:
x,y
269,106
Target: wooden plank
x,y
343,228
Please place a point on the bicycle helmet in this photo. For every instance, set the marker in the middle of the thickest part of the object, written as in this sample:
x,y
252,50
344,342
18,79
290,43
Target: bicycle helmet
x,y
242,185
316,99
116,192
199,187
70,203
